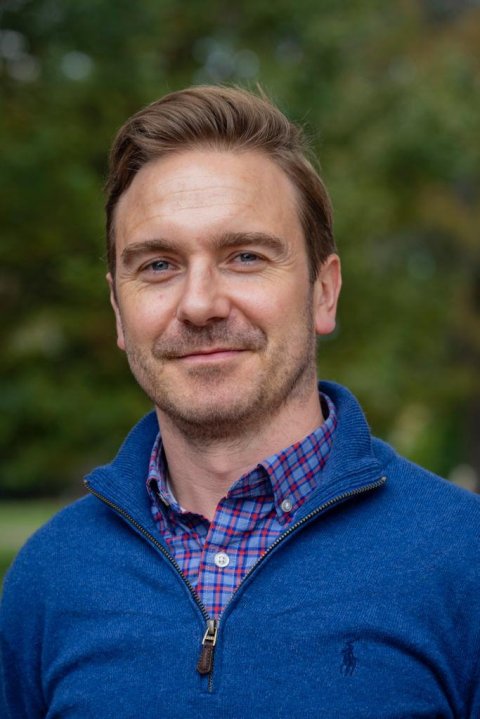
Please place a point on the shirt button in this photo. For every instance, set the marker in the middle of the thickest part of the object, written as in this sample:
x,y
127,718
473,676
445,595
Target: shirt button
x,y
286,505
221,559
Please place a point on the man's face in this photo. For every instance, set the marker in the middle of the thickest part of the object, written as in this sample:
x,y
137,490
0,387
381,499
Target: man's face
x,y
212,296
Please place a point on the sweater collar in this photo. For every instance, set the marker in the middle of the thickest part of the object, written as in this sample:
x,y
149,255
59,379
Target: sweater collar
x,y
290,475
351,463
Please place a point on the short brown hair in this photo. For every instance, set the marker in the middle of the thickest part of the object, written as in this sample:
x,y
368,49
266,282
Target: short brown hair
x,y
221,118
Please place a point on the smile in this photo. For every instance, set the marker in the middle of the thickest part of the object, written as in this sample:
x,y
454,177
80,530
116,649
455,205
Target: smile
x,y
211,355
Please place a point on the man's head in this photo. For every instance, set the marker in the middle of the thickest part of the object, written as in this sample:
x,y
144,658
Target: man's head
x,y
216,292
221,118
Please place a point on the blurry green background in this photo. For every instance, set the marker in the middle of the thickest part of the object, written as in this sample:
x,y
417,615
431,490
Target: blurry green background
x,y
390,96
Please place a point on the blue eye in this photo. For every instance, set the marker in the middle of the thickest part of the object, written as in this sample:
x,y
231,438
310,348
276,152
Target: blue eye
x,y
159,266
247,257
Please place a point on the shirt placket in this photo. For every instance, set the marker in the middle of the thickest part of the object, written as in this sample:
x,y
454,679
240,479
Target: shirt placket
x,y
218,571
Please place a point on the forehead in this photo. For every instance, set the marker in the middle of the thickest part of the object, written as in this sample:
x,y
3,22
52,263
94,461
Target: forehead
x,y
207,190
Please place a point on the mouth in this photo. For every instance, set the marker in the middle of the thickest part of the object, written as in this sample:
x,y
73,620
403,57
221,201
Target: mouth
x,y
212,354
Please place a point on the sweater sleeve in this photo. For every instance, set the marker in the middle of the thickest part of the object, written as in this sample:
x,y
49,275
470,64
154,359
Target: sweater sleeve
x,y
20,646
19,700
474,709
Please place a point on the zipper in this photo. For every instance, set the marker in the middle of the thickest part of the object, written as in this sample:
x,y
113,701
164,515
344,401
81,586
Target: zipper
x,y
205,663
155,542
331,502
207,652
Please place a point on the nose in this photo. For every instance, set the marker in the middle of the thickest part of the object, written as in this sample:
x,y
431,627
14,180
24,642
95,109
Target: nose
x,y
203,298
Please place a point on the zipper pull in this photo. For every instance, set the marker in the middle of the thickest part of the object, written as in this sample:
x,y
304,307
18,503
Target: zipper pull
x,y
205,662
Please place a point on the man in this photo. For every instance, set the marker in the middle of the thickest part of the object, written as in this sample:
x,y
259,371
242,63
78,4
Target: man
x,y
252,551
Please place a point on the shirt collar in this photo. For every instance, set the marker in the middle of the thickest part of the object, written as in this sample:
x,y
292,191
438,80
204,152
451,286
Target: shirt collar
x,y
157,480
292,474
295,472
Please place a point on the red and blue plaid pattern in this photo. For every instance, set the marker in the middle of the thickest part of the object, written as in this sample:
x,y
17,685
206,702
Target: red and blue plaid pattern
x,y
257,509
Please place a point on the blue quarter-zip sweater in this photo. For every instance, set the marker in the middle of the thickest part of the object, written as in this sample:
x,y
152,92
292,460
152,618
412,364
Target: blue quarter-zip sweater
x,y
367,607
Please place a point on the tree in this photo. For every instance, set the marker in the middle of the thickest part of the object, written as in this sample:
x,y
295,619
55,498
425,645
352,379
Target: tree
x,y
389,95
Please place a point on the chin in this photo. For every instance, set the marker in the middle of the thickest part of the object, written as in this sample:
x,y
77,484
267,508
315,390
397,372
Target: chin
x,y
213,410
216,416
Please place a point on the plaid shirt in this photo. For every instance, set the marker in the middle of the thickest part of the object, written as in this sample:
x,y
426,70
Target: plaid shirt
x,y
259,506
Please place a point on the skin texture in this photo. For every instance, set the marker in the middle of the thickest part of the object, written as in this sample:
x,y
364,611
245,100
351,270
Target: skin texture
x,y
216,313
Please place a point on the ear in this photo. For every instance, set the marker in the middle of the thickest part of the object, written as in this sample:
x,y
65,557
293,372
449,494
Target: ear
x,y
118,319
326,291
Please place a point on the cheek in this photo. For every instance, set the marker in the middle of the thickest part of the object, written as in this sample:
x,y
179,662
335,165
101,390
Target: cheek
x,y
144,317
278,305
280,317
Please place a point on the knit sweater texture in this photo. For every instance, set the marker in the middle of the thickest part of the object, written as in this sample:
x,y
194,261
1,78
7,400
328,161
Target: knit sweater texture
x,y
368,607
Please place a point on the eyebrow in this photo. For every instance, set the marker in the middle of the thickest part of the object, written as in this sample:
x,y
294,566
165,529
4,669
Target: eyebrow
x,y
145,247
222,242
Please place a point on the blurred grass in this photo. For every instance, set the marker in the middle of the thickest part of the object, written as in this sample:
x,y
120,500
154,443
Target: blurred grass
x,y
18,520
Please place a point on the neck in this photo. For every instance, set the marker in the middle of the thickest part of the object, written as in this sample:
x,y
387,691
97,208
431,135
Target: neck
x,y
202,472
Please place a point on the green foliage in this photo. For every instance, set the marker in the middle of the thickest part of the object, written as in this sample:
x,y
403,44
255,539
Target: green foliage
x,y
388,93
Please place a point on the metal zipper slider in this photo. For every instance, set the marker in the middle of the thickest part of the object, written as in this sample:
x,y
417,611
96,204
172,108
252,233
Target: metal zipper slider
x,y
205,663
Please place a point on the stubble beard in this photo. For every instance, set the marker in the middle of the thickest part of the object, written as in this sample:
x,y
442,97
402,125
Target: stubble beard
x,y
228,410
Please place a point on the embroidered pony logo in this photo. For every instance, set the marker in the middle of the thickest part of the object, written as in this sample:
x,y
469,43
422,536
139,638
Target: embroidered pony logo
x,y
349,660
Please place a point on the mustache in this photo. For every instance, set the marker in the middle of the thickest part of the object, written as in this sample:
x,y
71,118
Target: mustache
x,y
200,339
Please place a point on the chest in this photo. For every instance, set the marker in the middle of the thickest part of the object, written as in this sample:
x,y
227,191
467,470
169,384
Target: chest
x,y
316,630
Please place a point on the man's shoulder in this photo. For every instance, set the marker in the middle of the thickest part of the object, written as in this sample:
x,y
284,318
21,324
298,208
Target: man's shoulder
x,y
407,483
59,552
424,480
87,529
434,504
